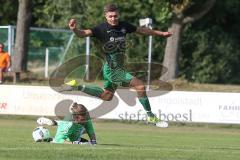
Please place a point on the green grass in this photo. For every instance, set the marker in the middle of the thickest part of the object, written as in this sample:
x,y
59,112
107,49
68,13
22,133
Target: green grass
x,y
124,141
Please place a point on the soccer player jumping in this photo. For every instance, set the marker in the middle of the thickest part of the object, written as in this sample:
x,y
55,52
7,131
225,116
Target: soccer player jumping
x,y
112,35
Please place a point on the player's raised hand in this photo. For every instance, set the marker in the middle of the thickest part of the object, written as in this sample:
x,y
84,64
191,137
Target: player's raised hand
x,y
167,34
72,24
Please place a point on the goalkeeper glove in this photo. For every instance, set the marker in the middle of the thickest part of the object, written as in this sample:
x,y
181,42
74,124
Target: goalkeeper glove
x,y
79,142
93,142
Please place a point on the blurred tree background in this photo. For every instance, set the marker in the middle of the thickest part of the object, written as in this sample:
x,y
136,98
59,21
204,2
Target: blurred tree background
x,y
210,47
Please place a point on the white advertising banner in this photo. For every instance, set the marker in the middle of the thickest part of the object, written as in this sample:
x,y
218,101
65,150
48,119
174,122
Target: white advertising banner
x,y
209,107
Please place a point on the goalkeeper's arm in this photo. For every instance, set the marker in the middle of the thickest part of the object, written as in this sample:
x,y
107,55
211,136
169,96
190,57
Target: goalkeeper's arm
x,y
93,139
90,131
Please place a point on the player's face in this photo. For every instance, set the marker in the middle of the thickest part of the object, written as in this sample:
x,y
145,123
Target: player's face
x,y
112,18
79,118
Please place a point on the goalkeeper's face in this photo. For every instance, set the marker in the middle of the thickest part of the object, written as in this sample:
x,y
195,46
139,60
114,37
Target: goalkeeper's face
x,y
78,118
79,113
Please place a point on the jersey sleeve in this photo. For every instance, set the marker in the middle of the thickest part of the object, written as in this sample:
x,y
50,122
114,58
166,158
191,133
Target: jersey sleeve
x,y
130,28
96,31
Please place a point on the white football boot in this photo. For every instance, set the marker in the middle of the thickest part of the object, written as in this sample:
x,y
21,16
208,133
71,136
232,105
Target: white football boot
x,y
45,121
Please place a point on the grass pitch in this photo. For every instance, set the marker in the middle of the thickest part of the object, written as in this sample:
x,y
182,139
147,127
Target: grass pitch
x,y
124,141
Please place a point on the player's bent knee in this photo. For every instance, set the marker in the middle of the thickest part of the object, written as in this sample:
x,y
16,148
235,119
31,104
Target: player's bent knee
x,y
107,98
140,88
107,95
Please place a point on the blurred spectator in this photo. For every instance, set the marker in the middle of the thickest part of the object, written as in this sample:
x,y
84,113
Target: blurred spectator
x,y
5,61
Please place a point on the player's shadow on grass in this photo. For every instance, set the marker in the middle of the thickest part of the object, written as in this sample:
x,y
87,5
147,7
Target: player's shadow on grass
x,y
116,145
224,148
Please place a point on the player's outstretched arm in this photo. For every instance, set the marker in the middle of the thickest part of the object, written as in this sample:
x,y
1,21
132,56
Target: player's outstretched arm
x,y
147,31
79,32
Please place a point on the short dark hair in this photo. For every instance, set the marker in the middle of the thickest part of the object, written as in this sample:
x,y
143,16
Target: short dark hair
x,y
79,109
110,8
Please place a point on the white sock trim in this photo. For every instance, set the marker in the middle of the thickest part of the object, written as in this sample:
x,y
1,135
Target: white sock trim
x,y
83,87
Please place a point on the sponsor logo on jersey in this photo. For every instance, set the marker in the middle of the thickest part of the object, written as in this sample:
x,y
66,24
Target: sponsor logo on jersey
x,y
112,39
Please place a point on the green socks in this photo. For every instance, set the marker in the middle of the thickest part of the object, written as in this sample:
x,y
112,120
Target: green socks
x,y
97,91
91,90
146,105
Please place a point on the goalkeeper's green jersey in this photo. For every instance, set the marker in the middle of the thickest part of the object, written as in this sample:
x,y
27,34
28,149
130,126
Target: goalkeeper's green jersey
x,y
69,131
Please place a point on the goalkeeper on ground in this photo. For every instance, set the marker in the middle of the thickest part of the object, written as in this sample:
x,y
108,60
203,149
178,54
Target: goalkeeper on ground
x,y
71,131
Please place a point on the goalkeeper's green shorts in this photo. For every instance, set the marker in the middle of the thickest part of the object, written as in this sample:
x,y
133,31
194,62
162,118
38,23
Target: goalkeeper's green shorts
x,y
115,77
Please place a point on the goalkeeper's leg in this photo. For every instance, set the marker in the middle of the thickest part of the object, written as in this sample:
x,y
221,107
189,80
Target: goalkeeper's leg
x,y
46,121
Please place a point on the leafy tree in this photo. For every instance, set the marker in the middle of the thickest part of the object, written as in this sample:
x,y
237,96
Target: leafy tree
x,y
90,13
184,12
206,50
8,12
211,46
22,36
